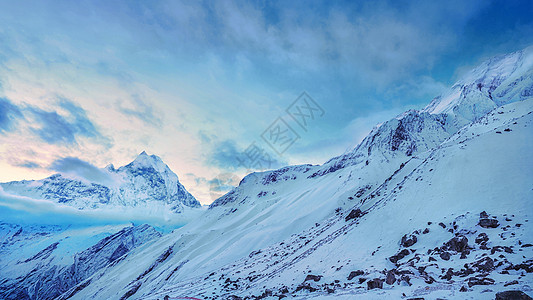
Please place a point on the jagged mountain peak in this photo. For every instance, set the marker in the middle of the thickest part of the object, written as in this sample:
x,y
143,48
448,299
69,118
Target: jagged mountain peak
x,y
145,182
110,168
145,161
497,81
500,80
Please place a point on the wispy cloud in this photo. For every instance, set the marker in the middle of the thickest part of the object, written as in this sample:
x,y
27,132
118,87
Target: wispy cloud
x,y
228,156
56,129
25,210
141,110
28,165
9,113
225,155
80,169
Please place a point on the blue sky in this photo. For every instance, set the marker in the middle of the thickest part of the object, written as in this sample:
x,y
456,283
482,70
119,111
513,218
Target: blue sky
x,y
87,83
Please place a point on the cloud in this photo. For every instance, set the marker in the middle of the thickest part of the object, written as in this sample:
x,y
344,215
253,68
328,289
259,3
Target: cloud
x,y
345,139
225,155
9,113
228,156
140,109
223,183
28,165
63,129
81,170
24,210
423,87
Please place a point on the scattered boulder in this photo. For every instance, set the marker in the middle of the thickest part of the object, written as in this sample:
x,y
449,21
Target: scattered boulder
x,y
511,283
485,264
442,225
448,275
479,281
406,279
489,223
400,255
445,255
408,241
313,277
355,274
482,237
526,266
305,286
512,295
355,213
391,279
375,283
483,215
457,244
265,294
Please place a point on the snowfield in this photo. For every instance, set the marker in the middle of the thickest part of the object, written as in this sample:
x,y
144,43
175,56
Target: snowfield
x,y
435,203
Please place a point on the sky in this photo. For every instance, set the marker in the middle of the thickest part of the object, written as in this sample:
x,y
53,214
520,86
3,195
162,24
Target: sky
x,y
209,85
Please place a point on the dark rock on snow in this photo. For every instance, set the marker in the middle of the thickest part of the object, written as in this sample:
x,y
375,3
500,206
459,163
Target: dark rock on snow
x,y
512,295
355,213
354,274
375,283
489,223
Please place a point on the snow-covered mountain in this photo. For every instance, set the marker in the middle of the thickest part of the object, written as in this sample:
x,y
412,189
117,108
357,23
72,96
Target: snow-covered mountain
x,y
146,182
432,204
500,80
43,262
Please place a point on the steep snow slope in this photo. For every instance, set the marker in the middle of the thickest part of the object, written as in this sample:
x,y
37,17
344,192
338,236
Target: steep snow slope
x,y
266,236
147,182
42,262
